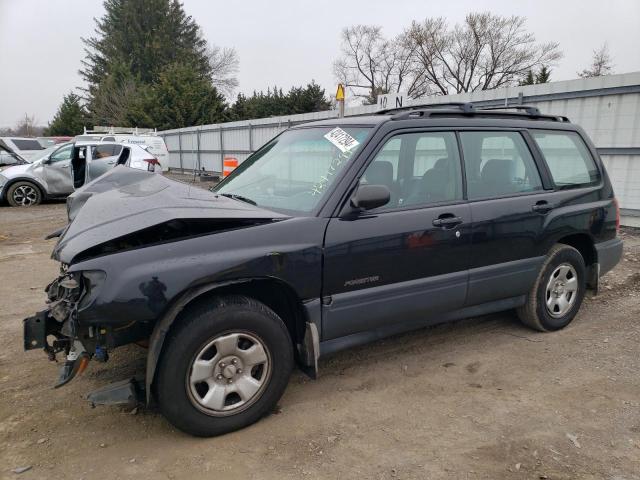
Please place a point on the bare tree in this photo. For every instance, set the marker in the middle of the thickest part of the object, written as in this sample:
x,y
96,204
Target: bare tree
x,y
600,65
27,127
113,101
372,65
487,51
224,67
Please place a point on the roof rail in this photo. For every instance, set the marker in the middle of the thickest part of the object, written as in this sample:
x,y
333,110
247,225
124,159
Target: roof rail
x,y
469,109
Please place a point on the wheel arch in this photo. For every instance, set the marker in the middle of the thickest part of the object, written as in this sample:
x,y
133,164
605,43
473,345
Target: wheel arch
x,y
273,292
585,244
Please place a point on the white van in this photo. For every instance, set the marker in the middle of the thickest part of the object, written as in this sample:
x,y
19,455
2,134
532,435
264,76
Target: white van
x,y
133,136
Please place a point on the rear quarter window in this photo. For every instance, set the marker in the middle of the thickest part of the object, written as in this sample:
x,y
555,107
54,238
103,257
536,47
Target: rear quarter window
x,y
568,158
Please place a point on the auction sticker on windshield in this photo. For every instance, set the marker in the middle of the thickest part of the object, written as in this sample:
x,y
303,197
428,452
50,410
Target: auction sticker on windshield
x,y
341,139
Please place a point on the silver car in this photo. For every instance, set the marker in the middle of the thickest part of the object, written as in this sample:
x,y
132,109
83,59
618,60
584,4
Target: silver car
x,y
59,168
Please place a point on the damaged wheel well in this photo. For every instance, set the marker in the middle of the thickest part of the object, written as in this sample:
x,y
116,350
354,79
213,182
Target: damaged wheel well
x,y
275,294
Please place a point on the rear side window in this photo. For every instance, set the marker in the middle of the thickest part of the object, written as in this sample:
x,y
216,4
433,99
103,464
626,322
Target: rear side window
x,y
22,144
498,164
103,151
569,160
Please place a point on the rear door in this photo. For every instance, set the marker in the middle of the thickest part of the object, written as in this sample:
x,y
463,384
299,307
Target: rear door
x,y
103,158
406,263
508,205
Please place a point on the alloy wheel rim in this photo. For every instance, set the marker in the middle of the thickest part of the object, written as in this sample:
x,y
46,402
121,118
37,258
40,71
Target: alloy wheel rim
x,y
562,290
25,195
229,373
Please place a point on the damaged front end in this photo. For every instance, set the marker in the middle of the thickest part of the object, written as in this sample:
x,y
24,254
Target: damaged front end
x,y
57,330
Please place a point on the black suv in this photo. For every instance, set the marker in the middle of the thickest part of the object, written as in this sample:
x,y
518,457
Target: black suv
x,y
333,234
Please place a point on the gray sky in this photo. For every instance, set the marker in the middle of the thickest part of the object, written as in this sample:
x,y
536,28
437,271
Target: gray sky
x,y
285,42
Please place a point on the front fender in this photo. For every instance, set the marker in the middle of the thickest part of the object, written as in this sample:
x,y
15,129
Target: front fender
x,y
163,325
37,181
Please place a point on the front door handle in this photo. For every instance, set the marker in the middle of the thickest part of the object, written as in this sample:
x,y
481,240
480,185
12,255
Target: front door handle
x,y
64,166
111,163
542,207
447,220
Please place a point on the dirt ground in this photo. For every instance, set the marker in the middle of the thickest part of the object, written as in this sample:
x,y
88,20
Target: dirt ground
x,y
483,398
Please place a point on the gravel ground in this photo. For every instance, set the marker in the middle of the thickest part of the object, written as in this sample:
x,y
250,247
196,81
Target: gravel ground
x,y
482,398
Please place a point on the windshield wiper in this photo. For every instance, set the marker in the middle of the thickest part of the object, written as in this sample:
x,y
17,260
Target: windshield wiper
x,y
239,197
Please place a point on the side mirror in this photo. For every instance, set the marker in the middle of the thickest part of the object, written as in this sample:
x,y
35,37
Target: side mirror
x,y
368,197
46,161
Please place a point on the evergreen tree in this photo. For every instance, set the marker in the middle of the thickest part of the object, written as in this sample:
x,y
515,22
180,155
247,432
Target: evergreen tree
x,y
275,102
529,79
135,42
181,98
69,119
544,75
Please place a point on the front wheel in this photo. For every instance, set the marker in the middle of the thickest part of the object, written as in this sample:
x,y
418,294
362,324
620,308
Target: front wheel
x,y
23,194
556,296
224,366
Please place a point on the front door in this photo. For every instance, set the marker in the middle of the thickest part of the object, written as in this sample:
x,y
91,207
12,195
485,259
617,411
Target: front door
x,y
406,263
57,171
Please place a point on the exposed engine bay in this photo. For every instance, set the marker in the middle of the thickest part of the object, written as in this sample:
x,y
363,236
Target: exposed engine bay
x,y
56,329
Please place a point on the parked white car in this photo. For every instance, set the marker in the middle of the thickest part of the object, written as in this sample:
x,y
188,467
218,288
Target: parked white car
x,y
55,173
144,138
27,148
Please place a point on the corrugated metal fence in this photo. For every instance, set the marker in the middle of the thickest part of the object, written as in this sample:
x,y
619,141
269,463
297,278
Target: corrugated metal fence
x,y
608,108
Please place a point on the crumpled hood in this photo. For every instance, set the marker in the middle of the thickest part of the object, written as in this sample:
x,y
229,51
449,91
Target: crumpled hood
x,y
125,201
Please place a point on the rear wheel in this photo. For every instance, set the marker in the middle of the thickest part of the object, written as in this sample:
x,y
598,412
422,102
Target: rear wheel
x,y
224,366
23,194
556,296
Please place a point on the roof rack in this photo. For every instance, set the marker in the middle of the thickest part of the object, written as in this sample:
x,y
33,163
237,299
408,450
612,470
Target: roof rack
x,y
99,129
469,109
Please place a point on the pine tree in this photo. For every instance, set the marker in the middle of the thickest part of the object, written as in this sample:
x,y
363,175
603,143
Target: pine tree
x,y
134,42
182,98
529,79
69,119
544,75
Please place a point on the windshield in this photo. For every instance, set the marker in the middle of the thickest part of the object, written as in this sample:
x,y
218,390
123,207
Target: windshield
x,y
294,171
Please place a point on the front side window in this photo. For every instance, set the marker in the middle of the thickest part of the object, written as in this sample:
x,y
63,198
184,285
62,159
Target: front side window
x,y
568,159
61,154
498,164
418,169
294,171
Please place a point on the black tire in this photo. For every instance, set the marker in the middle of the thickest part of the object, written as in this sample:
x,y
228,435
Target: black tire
x,y
534,313
199,324
34,196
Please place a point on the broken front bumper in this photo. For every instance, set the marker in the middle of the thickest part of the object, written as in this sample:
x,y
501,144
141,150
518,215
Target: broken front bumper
x,y
35,331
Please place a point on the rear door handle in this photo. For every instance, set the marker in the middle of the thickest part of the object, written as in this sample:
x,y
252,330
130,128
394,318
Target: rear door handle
x,y
111,163
542,207
446,221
